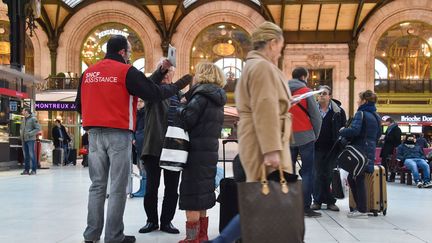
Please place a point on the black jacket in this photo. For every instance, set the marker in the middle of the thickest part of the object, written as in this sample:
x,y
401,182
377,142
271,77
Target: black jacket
x,y
203,118
56,135
331,129
391,141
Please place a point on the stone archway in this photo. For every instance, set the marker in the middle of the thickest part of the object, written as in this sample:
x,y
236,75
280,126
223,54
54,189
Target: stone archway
x,y
99,13
204,16
391,14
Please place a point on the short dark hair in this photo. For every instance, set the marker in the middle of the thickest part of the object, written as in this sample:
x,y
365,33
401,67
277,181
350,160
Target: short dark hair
x,y
57,120
299,72
116,43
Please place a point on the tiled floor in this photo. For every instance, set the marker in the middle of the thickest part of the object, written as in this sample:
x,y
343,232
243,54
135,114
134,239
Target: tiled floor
x,y
51,207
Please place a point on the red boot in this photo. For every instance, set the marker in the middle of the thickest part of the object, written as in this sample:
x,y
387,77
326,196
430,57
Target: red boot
x,y
203,229
192,232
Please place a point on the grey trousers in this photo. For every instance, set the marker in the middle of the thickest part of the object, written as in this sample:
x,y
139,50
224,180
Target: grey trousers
x,y
109,154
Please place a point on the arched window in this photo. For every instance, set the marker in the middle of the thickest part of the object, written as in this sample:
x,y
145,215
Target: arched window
x,y
94,46
403,58
226,45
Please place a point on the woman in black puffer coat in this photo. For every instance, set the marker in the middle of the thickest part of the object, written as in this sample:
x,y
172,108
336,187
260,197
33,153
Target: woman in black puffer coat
x,y
202,116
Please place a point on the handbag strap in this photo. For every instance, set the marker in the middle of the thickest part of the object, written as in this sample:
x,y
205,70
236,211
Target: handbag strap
x,y
264,182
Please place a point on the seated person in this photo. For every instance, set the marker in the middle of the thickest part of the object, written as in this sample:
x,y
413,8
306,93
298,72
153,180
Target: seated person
x,y
414,159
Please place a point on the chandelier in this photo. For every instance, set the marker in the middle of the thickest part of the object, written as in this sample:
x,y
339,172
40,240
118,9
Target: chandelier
x,y
223,49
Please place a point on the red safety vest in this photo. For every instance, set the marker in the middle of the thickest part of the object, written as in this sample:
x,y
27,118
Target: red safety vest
x,y
300,119
105,100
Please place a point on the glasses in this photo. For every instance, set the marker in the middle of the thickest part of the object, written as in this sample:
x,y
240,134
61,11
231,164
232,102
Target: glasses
x,y
324,93
140,101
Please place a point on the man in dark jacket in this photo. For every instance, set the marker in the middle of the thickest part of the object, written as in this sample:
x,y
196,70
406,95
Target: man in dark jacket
x,y
392,139
61,139
334,119
421,141
107,99
158,115
414,159
306,123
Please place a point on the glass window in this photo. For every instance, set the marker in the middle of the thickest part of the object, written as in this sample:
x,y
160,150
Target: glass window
x,y
318,77
226,45
403,58
94,46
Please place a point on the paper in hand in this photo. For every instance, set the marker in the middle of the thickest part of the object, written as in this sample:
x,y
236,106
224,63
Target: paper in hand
x,y
172,55
298,98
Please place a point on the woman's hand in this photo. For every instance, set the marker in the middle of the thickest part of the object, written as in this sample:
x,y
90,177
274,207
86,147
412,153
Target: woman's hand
x,y
272,159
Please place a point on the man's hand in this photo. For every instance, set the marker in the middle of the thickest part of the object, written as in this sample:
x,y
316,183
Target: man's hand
x,y
184,81
165,65
272,159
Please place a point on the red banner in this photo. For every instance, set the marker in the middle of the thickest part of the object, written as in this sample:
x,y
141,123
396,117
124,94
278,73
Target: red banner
x,y
13,93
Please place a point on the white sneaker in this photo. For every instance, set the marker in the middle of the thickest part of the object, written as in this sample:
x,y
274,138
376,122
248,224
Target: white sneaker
x,y
419,184
427,184
357,215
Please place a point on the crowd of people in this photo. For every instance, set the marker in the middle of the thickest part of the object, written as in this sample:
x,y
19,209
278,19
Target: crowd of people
x,y
273,131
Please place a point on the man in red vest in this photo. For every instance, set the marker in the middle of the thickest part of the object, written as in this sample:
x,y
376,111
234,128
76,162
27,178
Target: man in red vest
x,y
306,128
107,100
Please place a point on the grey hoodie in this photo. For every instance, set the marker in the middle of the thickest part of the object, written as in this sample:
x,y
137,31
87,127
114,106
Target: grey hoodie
x,y
304,137
29,128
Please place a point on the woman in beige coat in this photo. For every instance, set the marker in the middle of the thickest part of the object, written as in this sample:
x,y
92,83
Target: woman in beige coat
x,y
263,100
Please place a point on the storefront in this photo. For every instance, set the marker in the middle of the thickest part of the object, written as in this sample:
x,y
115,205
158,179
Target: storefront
x,y
65,111
412,123
16,91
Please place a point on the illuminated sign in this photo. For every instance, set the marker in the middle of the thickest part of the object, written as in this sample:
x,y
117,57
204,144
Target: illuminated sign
x,y
55,106
112,32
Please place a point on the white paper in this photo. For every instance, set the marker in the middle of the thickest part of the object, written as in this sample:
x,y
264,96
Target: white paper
x,y
172,55
298,98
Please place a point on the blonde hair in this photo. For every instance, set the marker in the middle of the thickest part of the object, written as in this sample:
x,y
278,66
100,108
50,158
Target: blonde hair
x,y
267,31
209,73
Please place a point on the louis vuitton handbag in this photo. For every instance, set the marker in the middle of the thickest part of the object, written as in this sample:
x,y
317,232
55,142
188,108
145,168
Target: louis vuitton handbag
x,y
271,211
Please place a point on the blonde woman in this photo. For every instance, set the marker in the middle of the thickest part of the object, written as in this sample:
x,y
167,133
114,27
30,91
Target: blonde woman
x,y
203,117
263,100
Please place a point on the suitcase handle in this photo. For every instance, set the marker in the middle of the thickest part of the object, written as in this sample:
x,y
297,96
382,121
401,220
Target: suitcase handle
x,y
225,141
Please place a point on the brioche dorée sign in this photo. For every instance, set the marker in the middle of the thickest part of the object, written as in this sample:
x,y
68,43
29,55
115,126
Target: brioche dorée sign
x,y
416,118
55,106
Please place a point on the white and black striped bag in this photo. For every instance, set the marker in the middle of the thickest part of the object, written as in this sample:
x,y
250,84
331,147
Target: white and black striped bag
x,y
175,149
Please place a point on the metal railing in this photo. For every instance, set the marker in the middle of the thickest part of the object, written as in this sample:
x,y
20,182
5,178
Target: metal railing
x,y
58,83
403,85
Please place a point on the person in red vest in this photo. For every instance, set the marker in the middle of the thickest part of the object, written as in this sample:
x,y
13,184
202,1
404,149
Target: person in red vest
x,y
306,123
107,100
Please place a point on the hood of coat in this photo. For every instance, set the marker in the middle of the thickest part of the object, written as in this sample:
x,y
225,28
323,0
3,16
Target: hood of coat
x,y
295,84
211,91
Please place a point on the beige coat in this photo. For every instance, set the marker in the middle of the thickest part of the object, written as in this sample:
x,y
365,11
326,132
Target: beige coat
x,y
262,99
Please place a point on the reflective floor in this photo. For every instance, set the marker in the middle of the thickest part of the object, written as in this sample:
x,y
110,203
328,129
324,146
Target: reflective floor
x,y
51,207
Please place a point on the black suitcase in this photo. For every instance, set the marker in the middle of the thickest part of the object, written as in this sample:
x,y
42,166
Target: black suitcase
x,y
227,199
58,156
72,158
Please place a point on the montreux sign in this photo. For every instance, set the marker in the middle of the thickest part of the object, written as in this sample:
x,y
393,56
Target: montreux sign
x,y
55,106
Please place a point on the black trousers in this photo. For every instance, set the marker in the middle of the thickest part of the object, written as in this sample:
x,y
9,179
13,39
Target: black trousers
x,y
171,181
358,189
323,177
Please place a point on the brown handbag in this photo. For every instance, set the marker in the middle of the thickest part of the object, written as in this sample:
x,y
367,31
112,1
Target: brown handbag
x,y
271,211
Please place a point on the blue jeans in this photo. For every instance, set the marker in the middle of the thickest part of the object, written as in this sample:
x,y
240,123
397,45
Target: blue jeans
x,y
29,154
307,154
108,148
414,164
231,232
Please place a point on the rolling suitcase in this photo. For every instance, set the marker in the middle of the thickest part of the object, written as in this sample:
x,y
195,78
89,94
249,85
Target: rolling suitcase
x,y
58,156
228,194
376,192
